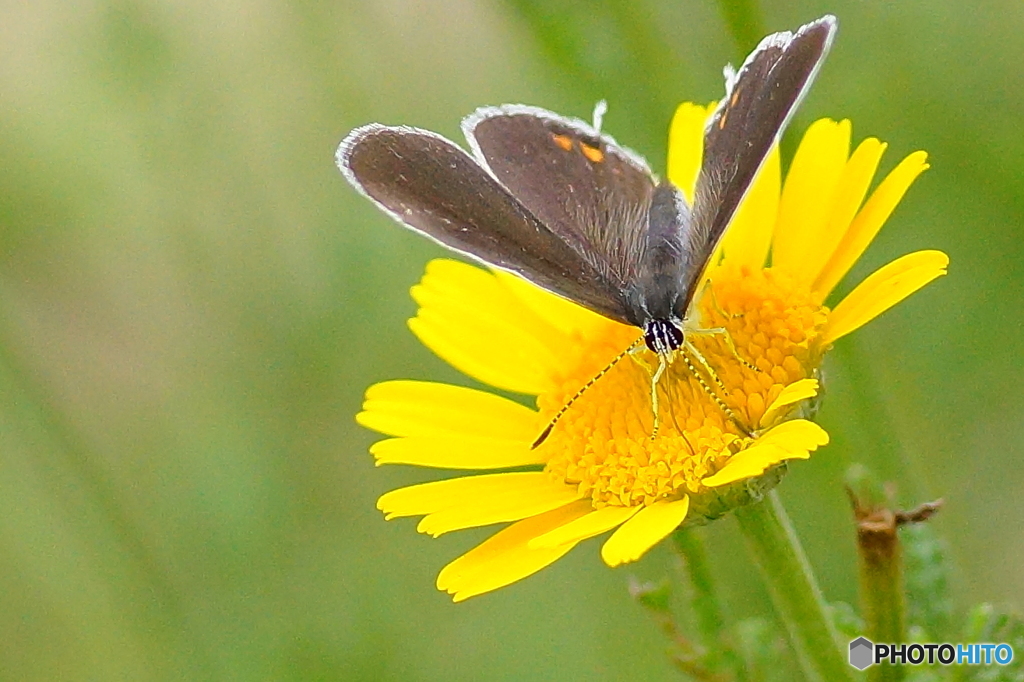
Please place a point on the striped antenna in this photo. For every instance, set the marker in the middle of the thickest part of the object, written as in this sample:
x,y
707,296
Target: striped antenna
x,y
583,389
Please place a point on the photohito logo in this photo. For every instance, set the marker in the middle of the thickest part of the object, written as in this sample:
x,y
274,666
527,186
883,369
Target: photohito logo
x,y
864,653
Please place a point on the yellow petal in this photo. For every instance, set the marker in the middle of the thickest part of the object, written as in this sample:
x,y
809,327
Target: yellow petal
x,y
474,323
644,530
686,145
569,318
794,393
749,236
594,523
794,439
470,492
883,289
498,508
426,408
868,222
472,351
453,452
506,556
477,500
796,434
849,195
753,461
807,193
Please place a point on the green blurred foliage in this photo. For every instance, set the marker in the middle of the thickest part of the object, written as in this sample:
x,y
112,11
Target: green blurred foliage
x,y
192,302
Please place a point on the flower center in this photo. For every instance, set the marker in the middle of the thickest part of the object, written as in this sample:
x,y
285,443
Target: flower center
x,y
603,443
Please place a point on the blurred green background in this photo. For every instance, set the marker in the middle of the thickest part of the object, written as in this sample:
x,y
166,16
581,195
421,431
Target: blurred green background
x,y
192,302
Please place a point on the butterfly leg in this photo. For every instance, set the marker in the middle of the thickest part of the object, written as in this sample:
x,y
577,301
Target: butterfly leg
x,y
724,333
663,359
688,350
656,374
706,366
718,308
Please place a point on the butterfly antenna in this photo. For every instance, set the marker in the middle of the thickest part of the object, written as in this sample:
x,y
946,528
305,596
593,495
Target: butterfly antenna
x,y
583,389
662,364
600,109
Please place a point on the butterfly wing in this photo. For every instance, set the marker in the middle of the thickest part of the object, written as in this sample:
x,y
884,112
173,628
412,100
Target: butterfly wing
x,y
760,99
589,190
553,200
430,185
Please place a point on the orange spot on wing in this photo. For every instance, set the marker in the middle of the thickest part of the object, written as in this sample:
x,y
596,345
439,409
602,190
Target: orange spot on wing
x,y
563,141
725,114
593,153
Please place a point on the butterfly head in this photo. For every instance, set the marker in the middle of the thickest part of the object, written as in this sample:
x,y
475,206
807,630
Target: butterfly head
x,y
663,336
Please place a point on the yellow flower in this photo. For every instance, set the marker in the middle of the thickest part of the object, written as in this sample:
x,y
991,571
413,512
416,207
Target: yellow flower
x,y
722,433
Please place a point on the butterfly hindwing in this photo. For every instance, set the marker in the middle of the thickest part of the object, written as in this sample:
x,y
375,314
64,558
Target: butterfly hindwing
x,y
581,184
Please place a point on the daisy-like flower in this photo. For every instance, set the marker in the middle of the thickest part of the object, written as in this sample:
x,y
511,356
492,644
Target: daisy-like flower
x,y
724,432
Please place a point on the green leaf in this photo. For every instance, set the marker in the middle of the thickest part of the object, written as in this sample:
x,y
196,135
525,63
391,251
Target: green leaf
x,y
848,623
927,581
988,623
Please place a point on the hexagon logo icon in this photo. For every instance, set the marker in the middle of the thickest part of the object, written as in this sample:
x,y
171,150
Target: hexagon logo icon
x,y
861,653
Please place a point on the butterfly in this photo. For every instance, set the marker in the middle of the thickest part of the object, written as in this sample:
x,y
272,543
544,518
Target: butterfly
x,y
564,206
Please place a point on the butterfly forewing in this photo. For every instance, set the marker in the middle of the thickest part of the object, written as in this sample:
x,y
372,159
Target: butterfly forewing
x,y
429,184
758,104
587,189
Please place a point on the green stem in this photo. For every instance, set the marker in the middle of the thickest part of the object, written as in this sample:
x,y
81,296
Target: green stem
x,y
882,588
793,589
689,542
705,601
686,656
882,593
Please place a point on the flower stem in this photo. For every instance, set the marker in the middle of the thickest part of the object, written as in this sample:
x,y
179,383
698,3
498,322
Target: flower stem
x,y
686,655
793,589
706,603
881,575
883,598
689,543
